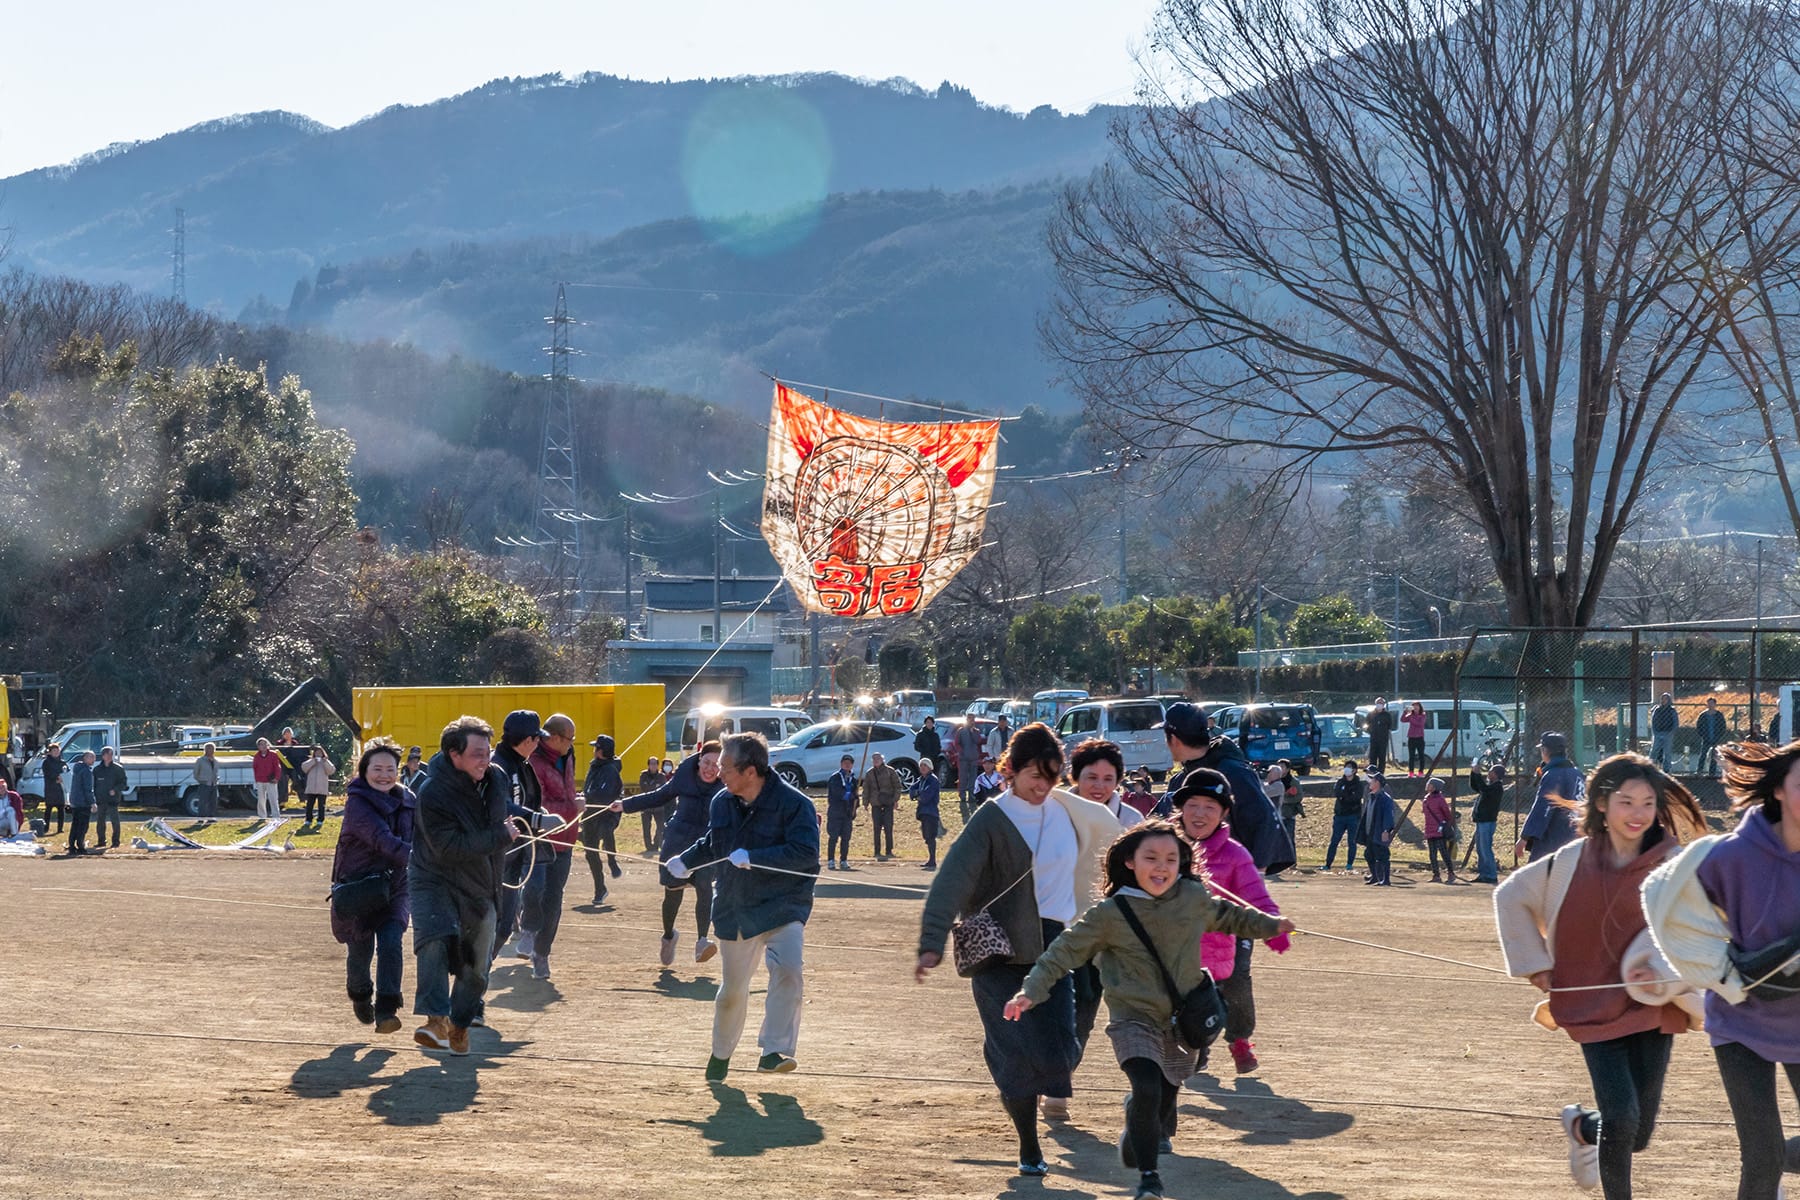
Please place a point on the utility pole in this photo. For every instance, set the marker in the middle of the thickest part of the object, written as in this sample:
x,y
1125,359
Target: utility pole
x,y
1124,589
1396,633
178,258
812,695
718,605
628,508
1259,645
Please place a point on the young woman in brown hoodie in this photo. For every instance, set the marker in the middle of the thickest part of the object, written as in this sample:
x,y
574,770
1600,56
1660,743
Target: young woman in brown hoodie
x,y
1601,971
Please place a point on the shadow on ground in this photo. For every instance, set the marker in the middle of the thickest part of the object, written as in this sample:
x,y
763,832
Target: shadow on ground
x,y
434,1085
739,1129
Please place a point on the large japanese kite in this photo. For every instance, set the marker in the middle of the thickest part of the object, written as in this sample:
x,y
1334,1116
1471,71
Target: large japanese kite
x,y
873,518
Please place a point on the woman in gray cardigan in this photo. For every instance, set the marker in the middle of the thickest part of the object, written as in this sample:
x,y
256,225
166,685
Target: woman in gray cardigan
x,y
1030,858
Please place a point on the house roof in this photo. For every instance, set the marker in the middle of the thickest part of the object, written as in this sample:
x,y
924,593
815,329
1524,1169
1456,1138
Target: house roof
x,y
694,593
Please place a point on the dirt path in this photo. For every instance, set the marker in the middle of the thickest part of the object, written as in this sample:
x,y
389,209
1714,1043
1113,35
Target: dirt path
x,y
225,1062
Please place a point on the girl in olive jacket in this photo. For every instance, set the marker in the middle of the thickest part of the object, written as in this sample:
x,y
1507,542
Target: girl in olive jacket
x,y
1148,869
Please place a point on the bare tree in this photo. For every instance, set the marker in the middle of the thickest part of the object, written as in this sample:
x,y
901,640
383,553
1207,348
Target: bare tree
x,y
1490,240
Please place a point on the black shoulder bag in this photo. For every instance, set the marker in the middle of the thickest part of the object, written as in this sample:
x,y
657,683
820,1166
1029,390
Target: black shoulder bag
x,y
1199,1016
366,895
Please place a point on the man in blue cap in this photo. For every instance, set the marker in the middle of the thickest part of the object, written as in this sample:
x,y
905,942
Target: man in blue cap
x,y
1255,821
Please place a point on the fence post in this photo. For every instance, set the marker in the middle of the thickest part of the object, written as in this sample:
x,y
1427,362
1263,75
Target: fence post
x,y
1635,681
1755,664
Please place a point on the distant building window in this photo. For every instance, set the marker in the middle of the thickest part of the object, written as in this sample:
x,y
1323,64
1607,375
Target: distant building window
x,y
706,633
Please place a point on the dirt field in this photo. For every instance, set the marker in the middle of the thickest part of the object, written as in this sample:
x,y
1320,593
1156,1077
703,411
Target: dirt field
x,y
203,1048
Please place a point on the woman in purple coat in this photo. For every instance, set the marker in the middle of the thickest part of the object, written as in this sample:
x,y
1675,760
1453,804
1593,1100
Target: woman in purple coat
x,y
377,835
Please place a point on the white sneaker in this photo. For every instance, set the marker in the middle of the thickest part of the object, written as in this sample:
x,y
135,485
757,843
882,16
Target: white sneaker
x,y
1054,1108
524,945
1584,1160
704,949
540,967
667,952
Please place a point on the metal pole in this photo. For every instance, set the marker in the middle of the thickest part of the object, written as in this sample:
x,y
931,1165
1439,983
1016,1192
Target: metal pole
x,y
1756,648
1259,645
1124,590
718,605
1396,635
812,698
628,507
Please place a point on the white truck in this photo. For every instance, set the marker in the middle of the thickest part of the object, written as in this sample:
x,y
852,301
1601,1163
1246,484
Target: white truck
x,y
159,775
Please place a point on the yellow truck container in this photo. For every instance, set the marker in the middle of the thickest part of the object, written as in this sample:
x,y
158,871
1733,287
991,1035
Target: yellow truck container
x,y
416,716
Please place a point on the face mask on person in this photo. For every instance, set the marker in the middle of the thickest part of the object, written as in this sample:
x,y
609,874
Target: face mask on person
x,y
1348,773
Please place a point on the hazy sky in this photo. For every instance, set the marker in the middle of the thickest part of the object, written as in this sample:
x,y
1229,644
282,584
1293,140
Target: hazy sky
x,y
75,79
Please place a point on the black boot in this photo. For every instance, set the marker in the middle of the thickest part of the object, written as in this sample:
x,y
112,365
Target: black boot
x,y
360,1005
387,1013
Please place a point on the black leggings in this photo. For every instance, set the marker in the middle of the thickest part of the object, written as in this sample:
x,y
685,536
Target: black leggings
x,y
702,908
1240,1000
1749,1080
597,829
313,798
1441,848
1628,1077
1150,1112
1415,754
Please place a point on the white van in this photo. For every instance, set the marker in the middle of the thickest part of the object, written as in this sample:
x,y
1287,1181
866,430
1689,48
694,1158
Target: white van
x,y
912,707
1481,720
1131,724
710,722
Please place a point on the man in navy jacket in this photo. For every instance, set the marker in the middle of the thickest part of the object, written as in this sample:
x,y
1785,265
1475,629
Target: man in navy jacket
x,y
1550,826
768,831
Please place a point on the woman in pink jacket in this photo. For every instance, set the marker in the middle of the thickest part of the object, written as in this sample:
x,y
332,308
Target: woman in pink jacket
x,y
1440,830
1203,806
1413,721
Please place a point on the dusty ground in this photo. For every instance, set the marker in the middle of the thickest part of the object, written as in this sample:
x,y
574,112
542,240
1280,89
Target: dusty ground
x,y
203,1048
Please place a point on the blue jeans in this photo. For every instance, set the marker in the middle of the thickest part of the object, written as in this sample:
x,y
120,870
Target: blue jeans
x,y
512,896
1487,870
1659,748
457,996
386,947
541,911
1341,827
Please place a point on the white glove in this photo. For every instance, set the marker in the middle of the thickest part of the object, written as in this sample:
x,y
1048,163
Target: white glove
x,y
545,819
677,868
740,859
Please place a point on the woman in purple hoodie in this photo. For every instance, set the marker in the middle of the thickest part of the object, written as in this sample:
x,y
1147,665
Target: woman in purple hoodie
x,y
376,836
1726,915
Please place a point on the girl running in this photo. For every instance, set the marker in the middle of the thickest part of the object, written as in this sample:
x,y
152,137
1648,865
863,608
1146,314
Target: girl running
x,y
1631,822
1727,915
1203,807
1147,872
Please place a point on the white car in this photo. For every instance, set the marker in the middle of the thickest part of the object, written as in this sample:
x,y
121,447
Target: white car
x,y
811,756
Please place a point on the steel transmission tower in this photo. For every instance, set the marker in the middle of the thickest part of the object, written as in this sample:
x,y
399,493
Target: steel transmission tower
x,y
178,257
558,506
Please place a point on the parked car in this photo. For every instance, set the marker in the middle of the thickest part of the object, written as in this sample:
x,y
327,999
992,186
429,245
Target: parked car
x,y
1339,738
709,722
812,754
912,707
1268,733
987,706
1132,724
1482,721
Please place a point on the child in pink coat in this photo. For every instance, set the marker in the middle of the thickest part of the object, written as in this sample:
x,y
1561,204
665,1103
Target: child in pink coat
x,y
1202,805
1440,830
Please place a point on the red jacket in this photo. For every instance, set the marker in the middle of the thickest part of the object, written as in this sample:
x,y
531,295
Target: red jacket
x,y
1438,816
266,767
556,782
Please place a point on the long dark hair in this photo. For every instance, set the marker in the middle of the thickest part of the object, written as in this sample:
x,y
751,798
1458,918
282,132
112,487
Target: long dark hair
x,y
1754,773
1676,809
1118,855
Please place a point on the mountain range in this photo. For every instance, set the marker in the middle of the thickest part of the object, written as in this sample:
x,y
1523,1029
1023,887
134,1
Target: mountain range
x,y
447,223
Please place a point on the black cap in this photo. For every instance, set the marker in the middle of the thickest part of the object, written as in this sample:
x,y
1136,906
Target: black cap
x,y
520,725
1202,781
1555,743
603,742
1186,722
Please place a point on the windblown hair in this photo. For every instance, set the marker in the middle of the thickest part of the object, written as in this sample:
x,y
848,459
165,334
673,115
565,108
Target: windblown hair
x,y
1754,773
1676,809
380,745
456,735
1118,855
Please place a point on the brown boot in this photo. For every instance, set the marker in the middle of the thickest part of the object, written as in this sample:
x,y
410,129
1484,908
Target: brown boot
x,y
459,1039
435,1034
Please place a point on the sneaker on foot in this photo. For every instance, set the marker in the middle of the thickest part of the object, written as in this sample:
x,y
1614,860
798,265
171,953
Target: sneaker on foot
x,y
540,966
616,872
1034,1167
1149,1187
364,1009
667,954
526,946
434,1034
704,949
1054,1108
1243,1056
387,1023
830,865
459,1040
773,1063
1584,1160
716,1068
